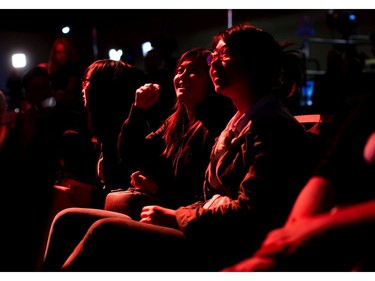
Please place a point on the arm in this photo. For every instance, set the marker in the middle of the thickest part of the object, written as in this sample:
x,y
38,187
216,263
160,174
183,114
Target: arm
x,y
316,197
313,232
314,222
135,150
257,192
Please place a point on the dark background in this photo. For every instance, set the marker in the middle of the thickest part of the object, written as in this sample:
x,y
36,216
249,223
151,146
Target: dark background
x,y
32,31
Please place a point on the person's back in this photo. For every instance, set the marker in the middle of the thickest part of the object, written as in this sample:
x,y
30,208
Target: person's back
x,y
108,88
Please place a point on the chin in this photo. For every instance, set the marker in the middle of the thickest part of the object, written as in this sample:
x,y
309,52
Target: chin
x,y
181,97
219,89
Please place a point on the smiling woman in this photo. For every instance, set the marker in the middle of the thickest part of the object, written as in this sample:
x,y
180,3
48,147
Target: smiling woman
x,y
249,185
167,166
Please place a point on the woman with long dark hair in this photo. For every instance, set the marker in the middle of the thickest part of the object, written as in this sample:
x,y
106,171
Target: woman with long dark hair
x,y
257,166
169,164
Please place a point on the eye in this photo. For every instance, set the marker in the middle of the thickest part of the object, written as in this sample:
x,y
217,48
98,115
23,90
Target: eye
x,y
224,53
180,70
192,70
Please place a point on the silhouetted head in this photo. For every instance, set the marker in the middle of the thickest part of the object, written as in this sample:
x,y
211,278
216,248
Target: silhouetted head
x,y
108,89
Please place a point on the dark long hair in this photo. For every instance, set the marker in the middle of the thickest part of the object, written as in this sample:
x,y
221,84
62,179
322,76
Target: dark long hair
x,y
178,129
110,94
277,68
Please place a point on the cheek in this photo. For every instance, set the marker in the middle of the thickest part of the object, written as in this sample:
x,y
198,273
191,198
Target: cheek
x,y
175,81
211,71
84,97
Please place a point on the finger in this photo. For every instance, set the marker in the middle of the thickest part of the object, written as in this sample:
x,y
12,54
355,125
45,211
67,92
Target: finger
x,y
141,177
156,86
140,90
143,215
145,221
136,172
145,209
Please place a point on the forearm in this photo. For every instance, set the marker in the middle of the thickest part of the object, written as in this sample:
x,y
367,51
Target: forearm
x,y
357,215
310,202
132,135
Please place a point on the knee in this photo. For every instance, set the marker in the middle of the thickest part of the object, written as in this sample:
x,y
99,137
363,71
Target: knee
x,y
66,218
102,227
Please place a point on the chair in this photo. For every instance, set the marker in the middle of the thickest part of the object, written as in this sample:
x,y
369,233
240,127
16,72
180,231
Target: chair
x,y
308,120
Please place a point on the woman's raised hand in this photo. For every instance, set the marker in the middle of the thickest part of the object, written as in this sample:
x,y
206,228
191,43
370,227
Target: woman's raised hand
x,y
147,95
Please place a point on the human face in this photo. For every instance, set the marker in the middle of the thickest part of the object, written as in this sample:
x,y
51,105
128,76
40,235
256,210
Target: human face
x,y
61,55
224,70
191,83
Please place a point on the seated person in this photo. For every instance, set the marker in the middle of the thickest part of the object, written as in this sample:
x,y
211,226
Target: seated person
x,y
108,88
257,167
331,226
168,165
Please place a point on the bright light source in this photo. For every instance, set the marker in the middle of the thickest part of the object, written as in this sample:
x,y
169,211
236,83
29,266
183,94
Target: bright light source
x,y
19,60
65,29
115,54
352,17
146,47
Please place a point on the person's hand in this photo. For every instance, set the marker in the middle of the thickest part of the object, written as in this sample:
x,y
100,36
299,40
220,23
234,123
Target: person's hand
x,y
159,216
282,243
147,95
294,236
143,183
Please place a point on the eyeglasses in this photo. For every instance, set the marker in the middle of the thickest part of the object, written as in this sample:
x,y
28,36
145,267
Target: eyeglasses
x,y
223,55
84,82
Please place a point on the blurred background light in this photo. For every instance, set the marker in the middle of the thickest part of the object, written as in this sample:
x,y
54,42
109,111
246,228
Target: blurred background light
x,y
65,29
146,47
18,60
115,54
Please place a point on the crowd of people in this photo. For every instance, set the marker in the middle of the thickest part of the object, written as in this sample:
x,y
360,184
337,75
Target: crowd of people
x,y
219,177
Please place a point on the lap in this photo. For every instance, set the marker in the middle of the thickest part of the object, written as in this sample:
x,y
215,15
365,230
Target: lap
x,y
117,244
93,212
118,224
77,220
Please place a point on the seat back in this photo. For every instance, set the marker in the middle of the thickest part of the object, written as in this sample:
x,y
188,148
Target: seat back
x,y
308,120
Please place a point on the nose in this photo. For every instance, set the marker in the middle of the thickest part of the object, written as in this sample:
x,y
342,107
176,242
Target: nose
x,y
183,73
212,58
182,76
215,62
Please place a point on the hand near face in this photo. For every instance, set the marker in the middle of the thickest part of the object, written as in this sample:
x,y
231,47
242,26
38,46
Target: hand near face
x,y
147,95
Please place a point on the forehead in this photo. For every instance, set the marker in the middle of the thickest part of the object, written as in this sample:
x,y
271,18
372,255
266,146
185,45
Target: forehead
x,y
220,44
191,61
